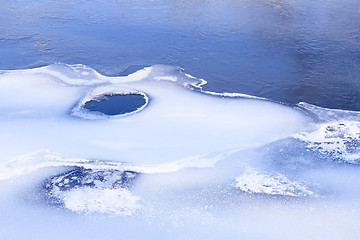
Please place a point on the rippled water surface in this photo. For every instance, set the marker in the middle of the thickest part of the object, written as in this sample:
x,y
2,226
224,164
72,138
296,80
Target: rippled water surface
x,y
285,50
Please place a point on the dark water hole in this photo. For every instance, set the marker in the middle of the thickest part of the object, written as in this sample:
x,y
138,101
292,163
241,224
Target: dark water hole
x,y
116,104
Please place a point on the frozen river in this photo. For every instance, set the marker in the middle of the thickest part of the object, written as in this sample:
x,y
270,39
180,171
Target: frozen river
x,y
181,119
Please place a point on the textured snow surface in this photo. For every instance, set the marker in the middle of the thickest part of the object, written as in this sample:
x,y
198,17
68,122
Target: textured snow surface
x,y
109,201
254,182
336,135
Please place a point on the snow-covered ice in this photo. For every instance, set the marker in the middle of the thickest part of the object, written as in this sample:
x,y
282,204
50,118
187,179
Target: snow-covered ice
x,y
187,163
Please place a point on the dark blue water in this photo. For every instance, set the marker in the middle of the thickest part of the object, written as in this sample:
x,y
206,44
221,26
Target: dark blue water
x,y
288,50
116,104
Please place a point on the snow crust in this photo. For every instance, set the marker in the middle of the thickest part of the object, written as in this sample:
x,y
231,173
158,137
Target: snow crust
x,y
336,134
254,182
109,201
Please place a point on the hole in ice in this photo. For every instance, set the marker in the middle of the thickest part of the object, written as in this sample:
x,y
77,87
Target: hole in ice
x,y
116,104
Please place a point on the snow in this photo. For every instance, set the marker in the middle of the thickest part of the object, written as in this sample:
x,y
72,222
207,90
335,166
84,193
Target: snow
x,y
263,183
206,164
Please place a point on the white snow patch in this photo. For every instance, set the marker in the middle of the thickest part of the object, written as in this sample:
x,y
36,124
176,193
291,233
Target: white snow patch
x,y
233,95
96,200
166,78
340,139
254,182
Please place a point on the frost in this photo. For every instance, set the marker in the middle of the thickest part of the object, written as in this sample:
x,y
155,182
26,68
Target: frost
x,y
108,201
273,184
338,140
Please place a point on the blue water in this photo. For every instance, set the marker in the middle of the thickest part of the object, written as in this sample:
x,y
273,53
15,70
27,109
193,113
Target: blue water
x,y
116,104
288,51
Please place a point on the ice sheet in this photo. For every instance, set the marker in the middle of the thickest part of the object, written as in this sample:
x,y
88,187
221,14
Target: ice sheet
x,y
206,164
178,122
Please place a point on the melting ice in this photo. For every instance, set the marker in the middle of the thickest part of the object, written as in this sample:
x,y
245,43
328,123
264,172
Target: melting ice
x,y
181,161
